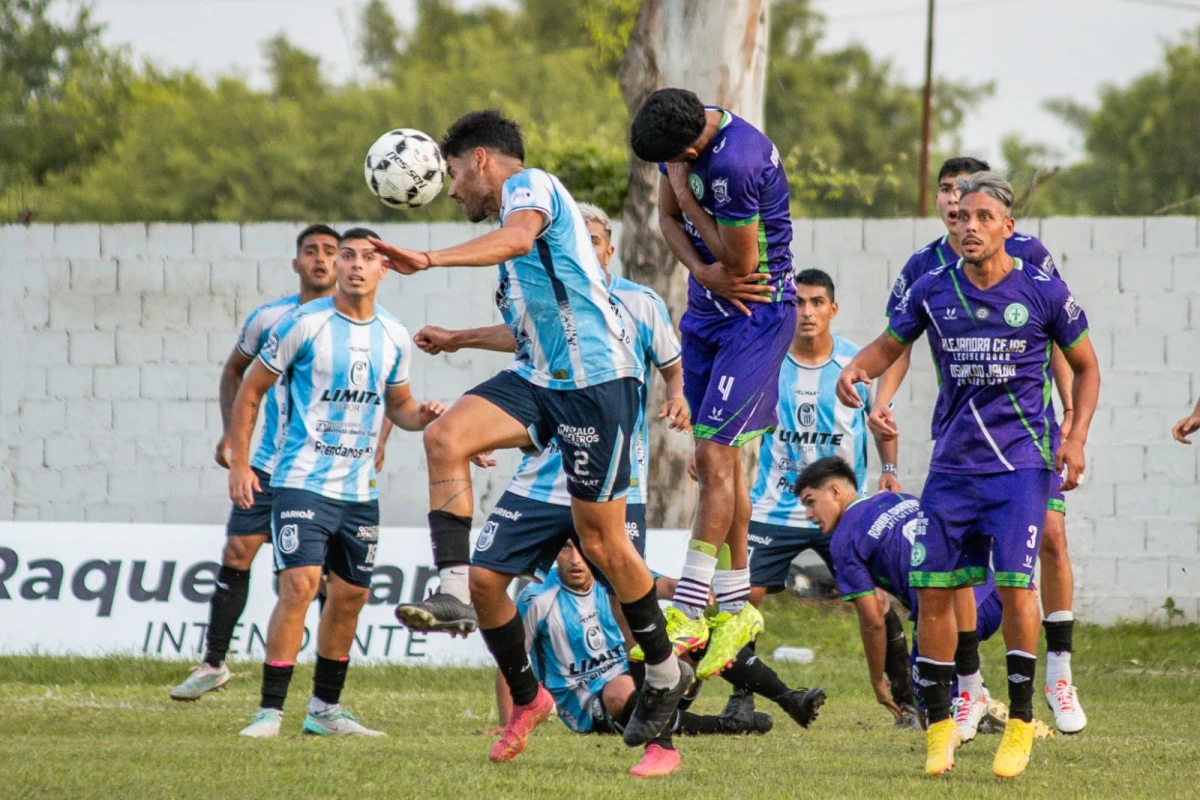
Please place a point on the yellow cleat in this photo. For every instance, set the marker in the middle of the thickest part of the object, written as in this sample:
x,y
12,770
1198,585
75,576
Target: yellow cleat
x,y
686,634
1013,755
941,740
730,633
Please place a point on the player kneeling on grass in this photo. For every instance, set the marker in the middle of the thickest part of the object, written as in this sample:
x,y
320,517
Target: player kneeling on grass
x,y
872,544
347,364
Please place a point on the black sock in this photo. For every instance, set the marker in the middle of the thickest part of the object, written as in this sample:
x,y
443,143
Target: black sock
x,y
329,678
637,671
450,536
966,656
275,682
750,673
649,627
1021,667
507,644
896,665
224,610
663,740
935,678
1059,635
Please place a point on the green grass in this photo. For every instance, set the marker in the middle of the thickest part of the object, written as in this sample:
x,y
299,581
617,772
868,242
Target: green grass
x,y
84,728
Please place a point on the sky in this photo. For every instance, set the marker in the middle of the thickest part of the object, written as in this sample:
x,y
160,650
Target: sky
x,y
1033,50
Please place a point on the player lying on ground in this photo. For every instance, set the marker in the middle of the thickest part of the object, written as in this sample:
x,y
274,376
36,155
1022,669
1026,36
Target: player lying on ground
x,y
248,530
993,322
576,379
872,543
347,363
1057,580
578,653
723,210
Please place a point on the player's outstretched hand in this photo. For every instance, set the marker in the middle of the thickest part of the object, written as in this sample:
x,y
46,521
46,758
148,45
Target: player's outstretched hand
x,y
1185,428
1070,455
675,411
882,423
433,340
737,290
222,454
429,411
243,483
404,261
889,482
883,694
484,459
851,376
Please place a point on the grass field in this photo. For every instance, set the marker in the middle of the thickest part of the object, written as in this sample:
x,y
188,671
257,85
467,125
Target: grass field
x,y
77,728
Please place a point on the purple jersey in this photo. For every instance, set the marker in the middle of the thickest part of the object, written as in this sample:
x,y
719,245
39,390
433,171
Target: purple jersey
x,y
873,544
939,253
992,349
739,180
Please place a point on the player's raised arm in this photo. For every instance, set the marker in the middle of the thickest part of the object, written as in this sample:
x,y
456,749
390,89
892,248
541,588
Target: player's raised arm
x,y
513,240
242,480
868,364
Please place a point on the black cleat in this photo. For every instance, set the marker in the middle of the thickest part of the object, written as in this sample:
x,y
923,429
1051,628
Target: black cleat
x,y
740,703
655,708
802,705
751,722
909,720
438,612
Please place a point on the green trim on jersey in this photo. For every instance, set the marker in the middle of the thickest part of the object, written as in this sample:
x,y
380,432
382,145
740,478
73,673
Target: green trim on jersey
x,y
850,597
892,332
964,576
736,223
1078,339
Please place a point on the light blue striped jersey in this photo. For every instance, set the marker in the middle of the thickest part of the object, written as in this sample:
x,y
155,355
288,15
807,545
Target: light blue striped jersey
x,y
337,370
250,341
813,424
574,644
570,333
541,476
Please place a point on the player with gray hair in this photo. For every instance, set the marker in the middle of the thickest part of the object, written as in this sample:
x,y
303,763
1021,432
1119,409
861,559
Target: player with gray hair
x,y
988,183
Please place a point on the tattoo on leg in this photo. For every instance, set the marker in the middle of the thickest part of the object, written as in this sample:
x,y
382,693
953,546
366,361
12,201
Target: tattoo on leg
x,y
452,498
449,480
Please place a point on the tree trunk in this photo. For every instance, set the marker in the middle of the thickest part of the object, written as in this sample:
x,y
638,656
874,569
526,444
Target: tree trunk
x,y
718,49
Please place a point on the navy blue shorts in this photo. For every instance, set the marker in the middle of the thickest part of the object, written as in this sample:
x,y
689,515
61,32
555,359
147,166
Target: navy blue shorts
x,y
773,547
523,536
255,520
593,427
309,530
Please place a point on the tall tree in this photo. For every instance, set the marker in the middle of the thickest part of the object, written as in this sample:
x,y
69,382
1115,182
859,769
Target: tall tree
x,y
295,73
379,42
718,49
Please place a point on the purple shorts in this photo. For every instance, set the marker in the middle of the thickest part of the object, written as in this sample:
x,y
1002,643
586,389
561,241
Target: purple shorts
x,y
974,517
1058,500
731,371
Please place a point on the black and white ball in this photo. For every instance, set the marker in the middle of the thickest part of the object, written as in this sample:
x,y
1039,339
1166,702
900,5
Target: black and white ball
x,y
405,168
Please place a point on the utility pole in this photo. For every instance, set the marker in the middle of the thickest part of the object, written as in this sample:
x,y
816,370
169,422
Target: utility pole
x,y
926,115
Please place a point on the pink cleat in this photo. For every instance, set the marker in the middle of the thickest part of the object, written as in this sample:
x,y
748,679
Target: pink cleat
x,y
656,762
521,723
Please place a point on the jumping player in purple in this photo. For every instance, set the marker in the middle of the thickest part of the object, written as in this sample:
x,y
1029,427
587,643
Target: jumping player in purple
x,y
1057,585
723,209
993,321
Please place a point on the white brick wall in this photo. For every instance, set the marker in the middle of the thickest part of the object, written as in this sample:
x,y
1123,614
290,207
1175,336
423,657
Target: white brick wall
x,y
114,336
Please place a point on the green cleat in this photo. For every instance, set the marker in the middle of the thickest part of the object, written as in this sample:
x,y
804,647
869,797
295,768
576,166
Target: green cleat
x,y
336,722
730,633
204,679
265,725
686,634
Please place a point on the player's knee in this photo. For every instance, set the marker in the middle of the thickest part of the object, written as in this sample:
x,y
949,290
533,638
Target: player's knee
x,y
757,593
600,553
298,586
1054,538
348,599
715,463
239,551
486,585
442,439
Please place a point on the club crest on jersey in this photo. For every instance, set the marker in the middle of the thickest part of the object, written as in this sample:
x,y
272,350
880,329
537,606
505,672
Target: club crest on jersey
x,y
806,415
358,373
1072,308
594,638
918,555
288,539
900,287
697,185
272,346
1016,315
720,188
487,536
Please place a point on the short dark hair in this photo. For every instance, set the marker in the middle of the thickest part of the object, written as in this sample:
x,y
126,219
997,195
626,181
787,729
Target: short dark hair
x,y
817,277
358,233
488,129
957,166
823,470
319,228
667,124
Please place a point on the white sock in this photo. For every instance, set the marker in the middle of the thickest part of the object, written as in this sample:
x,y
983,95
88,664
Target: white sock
x,y
1058,668
664,674
691,594
973,684
732,588
318,706
456,582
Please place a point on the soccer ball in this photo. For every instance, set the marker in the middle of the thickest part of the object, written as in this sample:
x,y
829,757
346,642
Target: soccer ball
x,y
405,168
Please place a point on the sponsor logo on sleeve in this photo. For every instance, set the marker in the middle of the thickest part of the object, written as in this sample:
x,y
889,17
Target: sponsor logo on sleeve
x,y
520,197
271,348
900,287
720,187
1072,308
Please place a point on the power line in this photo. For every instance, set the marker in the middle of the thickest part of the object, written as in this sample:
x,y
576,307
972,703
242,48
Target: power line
x,y
1167,4
913,11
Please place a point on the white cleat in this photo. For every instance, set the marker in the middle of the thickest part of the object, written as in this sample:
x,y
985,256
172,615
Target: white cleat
x,y
204,679
265,725
336,722
1064,702
967,714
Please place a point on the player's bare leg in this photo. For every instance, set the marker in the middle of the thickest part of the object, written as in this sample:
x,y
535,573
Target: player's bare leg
x,y
472,425
1057,588
938,634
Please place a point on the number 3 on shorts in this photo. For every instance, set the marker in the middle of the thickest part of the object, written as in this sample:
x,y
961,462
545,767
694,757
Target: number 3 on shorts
x,y
1032,543
581,462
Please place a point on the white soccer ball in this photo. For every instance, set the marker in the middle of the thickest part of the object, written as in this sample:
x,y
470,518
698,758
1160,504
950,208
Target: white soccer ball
x,y
405,168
